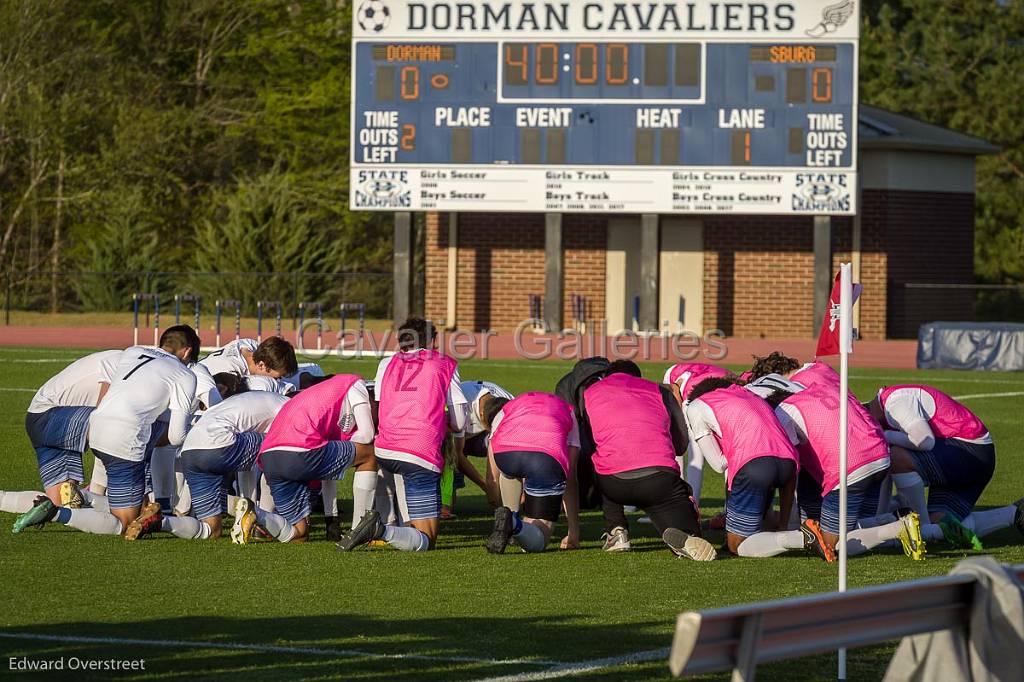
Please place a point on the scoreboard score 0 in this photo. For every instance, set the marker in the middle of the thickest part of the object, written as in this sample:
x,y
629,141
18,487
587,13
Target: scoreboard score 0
x,y
672,107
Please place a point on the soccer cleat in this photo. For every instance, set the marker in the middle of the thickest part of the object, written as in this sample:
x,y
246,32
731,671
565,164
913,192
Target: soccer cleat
x,y
42,511
148,522
910,537
814,541
333,528
689,546
617,540
497,541
70,496
959,536
716,522
245,522
1018,517
369,528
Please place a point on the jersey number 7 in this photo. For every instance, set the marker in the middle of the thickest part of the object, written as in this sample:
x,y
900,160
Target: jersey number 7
x,y
145,359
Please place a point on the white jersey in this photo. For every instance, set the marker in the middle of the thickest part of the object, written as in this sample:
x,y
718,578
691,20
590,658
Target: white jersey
x,y
474,391
220,425
207,392
261,382
230,358
78,384
147,382
769,383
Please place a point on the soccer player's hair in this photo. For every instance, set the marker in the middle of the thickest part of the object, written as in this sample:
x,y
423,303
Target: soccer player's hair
x,y
773,363
229,384
777,396
416,333
181,336
624,367
491,410
278,355
711,384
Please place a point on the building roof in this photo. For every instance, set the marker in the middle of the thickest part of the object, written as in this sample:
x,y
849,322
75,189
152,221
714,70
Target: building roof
x,y
884,130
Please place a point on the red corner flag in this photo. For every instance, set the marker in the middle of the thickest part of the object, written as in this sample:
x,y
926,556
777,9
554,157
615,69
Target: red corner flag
x,y
828,337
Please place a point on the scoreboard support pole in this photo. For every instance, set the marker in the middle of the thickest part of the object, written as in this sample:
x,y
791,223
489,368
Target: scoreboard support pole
x,y
451,299
403,267
554,272
649,256
822,266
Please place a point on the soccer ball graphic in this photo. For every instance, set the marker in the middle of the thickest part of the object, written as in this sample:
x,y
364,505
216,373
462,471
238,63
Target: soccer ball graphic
x,y
374,16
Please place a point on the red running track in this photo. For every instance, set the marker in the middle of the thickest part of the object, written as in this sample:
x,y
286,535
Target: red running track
x,y
463,345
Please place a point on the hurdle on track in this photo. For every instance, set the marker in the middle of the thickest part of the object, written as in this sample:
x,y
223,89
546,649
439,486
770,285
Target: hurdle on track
x,y
196,301
316,307
360,310
537,311
223,303
267,305
579,313
155,300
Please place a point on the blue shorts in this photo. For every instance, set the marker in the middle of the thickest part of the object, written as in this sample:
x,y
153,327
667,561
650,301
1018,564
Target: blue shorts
x,y
210,473
126,481
543,481
956,473
861,501
59,438
289,471
417,489
753,488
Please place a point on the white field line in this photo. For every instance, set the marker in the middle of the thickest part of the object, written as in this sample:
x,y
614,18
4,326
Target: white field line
x,y
18,390
269,648
988,395
581,667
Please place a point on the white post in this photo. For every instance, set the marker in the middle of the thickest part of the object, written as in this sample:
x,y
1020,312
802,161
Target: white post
x,y
845,348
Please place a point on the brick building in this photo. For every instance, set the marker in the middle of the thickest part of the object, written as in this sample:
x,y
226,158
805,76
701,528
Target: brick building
x,y
749,276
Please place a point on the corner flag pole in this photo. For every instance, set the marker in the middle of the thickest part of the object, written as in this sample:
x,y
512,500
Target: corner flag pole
x,y
845,348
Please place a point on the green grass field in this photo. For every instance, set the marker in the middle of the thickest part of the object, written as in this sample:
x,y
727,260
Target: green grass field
x,y
210,610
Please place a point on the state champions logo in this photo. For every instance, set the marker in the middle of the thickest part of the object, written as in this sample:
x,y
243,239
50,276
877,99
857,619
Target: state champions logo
x,y
373,16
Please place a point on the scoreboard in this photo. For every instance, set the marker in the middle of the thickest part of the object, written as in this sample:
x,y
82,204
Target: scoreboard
x,y
695,107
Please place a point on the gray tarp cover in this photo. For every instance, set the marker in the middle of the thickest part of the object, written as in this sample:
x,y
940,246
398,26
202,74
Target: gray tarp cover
x,y
994,346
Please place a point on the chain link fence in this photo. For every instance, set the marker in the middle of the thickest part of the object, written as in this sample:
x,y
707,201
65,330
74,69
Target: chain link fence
x,y
111,292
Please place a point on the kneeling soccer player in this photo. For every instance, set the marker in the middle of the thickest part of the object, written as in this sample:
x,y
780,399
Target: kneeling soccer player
x,y
57,422
638,432
316,435
738,432
414,389
939,443
125,428
681,377
225,441
534,445
811,418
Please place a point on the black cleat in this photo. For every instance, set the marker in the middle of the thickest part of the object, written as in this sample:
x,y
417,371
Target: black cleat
x,y
333,528
1018,518
502,533
368,529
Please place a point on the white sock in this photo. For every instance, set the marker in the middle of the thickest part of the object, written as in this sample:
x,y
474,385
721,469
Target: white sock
x,y
18,501
329,494
771,544
879,520
860,540
92,521
931,532
161,467
364,487
406,538
987,522
185,527
266,498
247,483
531,538
911,488
275,524
97,502
98,482
695,470
183,495
384,498
511,491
